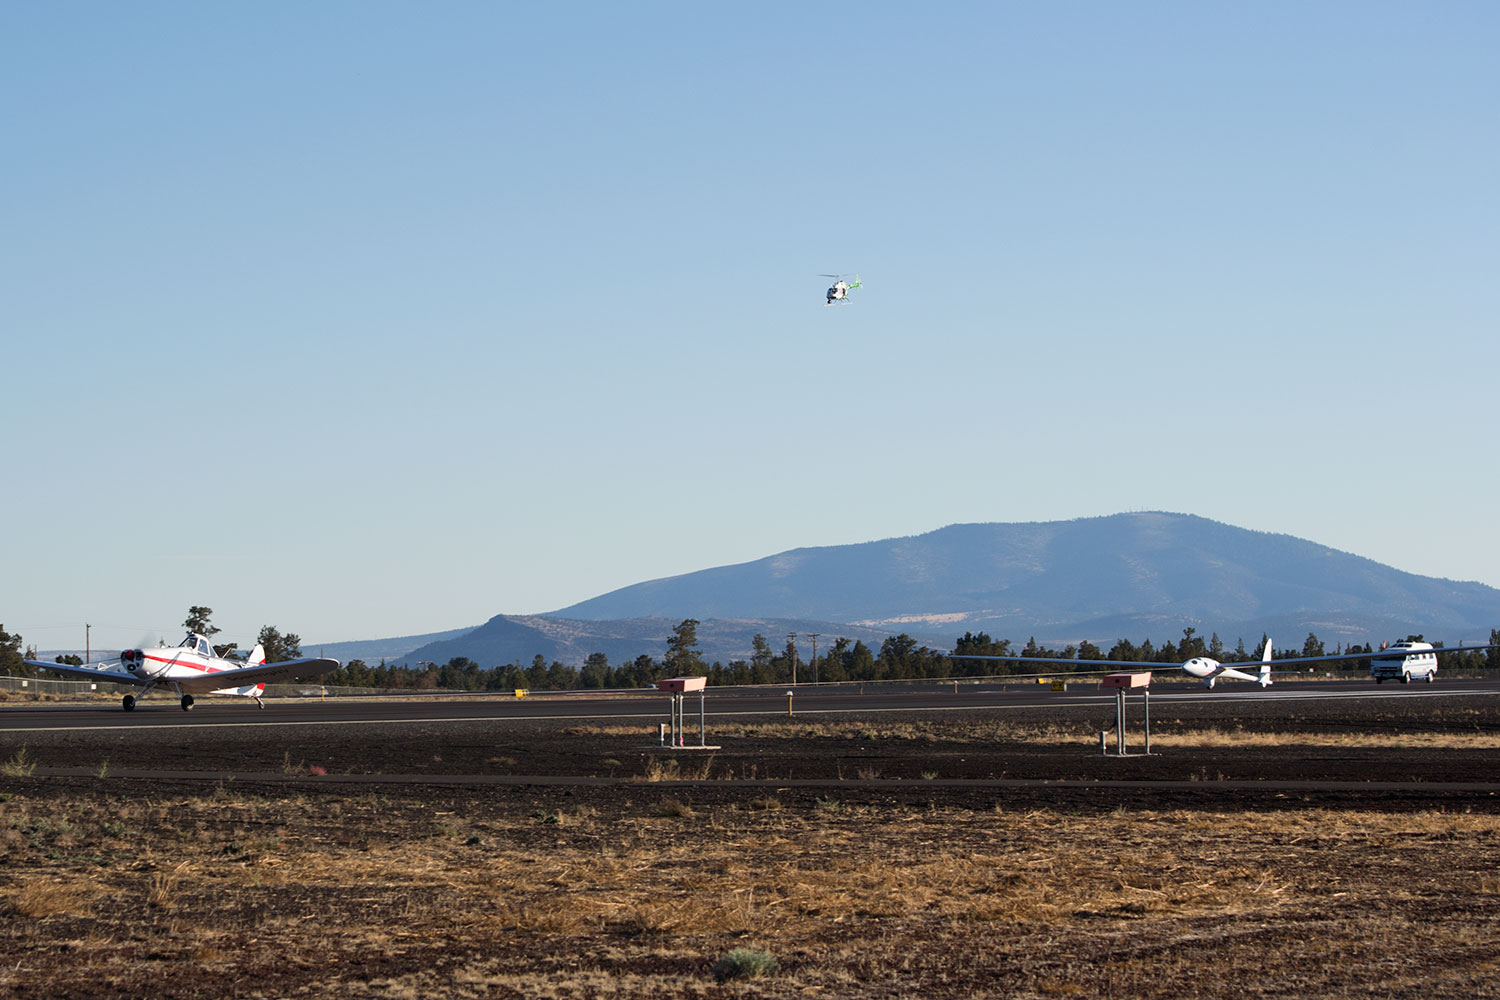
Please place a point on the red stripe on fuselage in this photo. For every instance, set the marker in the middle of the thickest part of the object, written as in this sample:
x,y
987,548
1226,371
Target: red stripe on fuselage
x,y
190,664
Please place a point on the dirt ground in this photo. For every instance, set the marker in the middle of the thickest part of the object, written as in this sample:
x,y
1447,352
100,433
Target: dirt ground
x,y
1344,848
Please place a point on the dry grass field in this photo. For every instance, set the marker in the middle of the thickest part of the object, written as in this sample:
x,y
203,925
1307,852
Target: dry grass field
x,y
643,886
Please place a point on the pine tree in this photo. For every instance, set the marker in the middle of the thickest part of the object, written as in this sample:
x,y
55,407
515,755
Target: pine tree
x,y
197,621
683,658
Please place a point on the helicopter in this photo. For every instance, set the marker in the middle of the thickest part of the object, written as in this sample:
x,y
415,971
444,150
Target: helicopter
x,y
840,289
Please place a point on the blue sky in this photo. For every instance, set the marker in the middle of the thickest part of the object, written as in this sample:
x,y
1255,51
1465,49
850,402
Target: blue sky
x,y
369,319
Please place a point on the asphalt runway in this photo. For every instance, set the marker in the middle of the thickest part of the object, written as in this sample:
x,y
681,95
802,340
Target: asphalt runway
x,y
720,703
890,740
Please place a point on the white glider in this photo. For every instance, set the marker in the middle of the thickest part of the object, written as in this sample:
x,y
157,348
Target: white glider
x,y
1207,669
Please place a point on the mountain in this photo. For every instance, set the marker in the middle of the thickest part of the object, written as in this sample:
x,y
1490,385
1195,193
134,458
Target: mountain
x,y
1097,578
518,638
1135,576
372,651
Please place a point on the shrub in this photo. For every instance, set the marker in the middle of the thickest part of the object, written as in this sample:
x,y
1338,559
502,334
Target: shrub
x,y
675,808
744,963
19,766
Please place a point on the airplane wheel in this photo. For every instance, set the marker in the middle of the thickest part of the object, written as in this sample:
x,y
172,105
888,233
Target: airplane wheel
x,y
187,702
128,703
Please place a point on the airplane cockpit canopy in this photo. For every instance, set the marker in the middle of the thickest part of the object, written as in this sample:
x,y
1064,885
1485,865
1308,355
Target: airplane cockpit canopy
x,y
198,644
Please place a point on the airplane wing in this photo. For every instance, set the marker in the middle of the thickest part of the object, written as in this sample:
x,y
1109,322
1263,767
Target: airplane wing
x,y
261,673
1379,654
1056,661
103,675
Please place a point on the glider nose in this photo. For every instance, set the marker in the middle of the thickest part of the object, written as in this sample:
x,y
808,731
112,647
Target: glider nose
x,y
1199,667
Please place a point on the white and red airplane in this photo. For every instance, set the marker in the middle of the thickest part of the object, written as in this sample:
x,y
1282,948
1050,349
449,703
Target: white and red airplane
x,y
191,668
1207,669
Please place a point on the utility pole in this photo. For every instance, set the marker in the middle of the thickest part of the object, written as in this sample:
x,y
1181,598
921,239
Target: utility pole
x,y
814,637
791,648
86,646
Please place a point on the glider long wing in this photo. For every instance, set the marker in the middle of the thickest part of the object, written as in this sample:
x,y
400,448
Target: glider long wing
x,y
1379,654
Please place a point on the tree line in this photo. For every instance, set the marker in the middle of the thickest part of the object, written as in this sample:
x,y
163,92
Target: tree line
x,y
900,657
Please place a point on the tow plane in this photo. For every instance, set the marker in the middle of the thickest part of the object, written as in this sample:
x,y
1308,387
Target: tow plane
x,y
1208,670
190,668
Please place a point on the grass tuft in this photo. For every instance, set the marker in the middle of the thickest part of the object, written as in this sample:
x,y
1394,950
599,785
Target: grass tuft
x,y
675,808
48,899
19,766
744,963
162,891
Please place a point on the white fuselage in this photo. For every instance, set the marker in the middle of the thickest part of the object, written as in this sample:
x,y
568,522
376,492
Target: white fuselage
x,y
189,667
1207,669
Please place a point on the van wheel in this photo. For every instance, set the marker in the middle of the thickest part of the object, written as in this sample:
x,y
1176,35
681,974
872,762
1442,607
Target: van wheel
x,y
1405,678
1429,677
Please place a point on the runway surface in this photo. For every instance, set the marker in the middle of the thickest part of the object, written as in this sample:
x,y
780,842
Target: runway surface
x,y
1334,742
719,704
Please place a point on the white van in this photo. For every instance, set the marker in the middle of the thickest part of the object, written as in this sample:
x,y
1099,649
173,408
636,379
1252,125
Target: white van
x,y
1410,659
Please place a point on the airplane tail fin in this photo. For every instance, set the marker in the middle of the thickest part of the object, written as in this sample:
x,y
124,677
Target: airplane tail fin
x,y
257,656
1265,665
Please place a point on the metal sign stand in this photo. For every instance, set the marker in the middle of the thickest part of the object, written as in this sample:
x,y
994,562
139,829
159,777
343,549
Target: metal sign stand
x,y
673,733
1122,683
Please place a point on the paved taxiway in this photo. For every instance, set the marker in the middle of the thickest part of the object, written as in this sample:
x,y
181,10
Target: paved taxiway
x,y
649,707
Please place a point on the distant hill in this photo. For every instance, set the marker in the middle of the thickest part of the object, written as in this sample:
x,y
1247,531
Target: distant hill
x,y
1135,576
373,651
1102,578
518,638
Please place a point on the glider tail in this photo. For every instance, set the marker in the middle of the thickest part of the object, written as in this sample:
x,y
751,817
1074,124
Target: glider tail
x,y
1265,665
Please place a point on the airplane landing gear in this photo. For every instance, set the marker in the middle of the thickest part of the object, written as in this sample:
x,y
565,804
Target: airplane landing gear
x,y
128,703
187,702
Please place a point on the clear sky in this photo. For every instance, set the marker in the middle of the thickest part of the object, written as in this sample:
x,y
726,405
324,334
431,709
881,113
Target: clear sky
x,y
368,319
